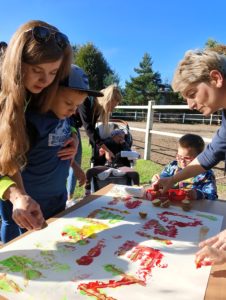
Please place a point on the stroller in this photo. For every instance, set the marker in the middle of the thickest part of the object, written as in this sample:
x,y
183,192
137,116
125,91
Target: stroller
x,y
122,159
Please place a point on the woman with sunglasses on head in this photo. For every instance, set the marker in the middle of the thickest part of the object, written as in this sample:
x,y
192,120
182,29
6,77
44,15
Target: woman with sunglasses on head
x,y
37,58
202,186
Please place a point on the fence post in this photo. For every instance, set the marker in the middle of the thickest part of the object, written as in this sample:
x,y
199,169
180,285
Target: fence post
x,y
183,118
149,125
211,119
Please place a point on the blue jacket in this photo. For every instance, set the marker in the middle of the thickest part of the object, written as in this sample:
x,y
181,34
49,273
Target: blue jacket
x,y
204,183
45,174
215,151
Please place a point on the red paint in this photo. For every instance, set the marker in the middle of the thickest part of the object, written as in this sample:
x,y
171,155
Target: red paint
x,y
92,288
114,201
176,194
149,258
170,231
127,246
203,263
84,260
94,213
133,204
144,234
172,194
126,198
96,251
162,217
93,252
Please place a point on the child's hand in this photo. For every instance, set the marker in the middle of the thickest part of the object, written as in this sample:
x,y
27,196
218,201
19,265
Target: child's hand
x,y
101,151
192,194
109,155
81,176
153,180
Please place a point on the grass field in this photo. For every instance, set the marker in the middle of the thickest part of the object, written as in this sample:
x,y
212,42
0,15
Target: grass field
x,y
145,168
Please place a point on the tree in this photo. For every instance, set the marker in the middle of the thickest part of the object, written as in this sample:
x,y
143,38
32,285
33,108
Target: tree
x,y
93,63
111,78
145,86
215,46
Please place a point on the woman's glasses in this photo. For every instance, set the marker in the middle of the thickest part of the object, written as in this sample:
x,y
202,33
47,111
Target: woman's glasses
x,y
186,159
42,34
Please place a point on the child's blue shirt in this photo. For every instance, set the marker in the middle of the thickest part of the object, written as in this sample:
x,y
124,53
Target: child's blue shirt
x,y
45,174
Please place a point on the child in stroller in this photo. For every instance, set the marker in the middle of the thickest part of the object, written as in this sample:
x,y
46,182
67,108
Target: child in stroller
x,y
118,170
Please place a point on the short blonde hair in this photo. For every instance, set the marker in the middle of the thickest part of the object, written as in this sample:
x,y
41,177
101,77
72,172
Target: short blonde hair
x,y
195,67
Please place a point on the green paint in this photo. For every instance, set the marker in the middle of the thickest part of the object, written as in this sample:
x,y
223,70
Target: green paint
x,y
32,274
83,242
61,267
83,293
29,268
211,218
108,215
113,269
72,232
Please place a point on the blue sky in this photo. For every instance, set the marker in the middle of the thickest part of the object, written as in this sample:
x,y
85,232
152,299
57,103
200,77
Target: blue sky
x,y
124,29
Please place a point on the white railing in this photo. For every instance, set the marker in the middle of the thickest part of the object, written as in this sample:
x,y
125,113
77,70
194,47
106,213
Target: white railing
x,y
150,120
162,116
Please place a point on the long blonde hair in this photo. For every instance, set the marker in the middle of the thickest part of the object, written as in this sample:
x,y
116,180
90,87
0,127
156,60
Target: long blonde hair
x,y
102,105
24,48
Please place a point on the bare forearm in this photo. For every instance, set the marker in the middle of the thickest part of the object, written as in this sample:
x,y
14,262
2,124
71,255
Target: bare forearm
x,y
15,190
193,169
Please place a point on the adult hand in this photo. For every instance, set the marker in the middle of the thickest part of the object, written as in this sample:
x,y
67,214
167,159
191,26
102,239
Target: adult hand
x,y
218,241
69,149
164,184
216,256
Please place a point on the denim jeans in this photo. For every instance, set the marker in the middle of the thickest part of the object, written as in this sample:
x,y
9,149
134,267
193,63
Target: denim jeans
x,y
9,229
71,180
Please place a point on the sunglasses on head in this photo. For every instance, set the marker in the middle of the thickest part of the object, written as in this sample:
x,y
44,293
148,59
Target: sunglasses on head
x,y
42,34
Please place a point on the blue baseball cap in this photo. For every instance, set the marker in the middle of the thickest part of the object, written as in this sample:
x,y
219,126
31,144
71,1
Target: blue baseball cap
x,y
78,80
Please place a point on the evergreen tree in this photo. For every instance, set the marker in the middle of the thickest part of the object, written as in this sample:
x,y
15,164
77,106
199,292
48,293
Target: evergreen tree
x,y
215,46
145,86
93,63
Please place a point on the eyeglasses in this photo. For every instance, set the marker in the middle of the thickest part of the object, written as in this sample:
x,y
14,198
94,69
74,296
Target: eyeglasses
x,y
42,34
186,159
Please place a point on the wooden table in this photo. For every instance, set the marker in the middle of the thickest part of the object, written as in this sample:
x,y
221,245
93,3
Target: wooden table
x,y
216,288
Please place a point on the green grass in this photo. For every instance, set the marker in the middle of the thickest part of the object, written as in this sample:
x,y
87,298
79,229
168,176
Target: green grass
x,y
145,168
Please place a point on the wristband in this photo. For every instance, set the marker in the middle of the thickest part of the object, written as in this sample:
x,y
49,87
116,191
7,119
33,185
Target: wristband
x,y
5,183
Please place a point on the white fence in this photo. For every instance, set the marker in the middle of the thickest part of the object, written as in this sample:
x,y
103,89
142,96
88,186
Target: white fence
x,y
150,120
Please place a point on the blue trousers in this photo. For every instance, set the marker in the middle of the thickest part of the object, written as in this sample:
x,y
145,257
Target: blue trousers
x,y
71,180
50,206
